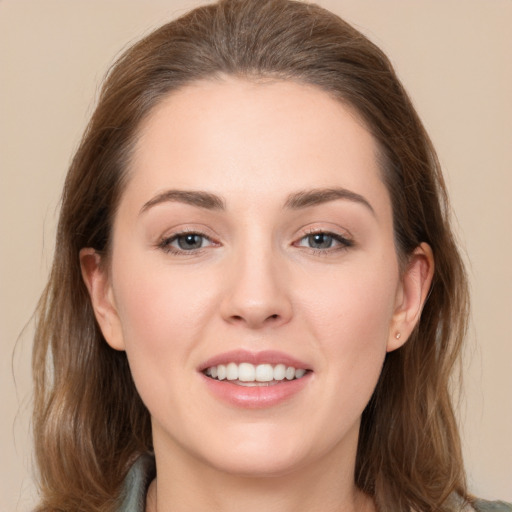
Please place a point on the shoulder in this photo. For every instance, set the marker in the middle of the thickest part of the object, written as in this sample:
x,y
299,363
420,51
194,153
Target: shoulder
x,y
496,506
133,498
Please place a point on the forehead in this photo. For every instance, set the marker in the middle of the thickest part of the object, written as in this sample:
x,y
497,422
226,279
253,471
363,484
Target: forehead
x,y
259,139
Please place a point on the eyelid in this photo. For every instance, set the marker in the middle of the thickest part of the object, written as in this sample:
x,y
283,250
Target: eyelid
x,y
345,241
164,243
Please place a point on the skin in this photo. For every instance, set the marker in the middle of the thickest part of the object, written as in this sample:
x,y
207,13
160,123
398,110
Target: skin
x,y
258,282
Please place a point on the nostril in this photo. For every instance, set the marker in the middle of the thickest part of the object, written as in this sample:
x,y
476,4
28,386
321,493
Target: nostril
x,y
241,318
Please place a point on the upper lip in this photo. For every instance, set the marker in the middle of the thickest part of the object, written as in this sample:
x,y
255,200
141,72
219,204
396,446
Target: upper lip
x,y
272,357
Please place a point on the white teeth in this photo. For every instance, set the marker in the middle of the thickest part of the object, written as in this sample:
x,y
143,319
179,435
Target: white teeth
x,y
221,372
299,373
279,372
232,371
289,373
248,373
264,373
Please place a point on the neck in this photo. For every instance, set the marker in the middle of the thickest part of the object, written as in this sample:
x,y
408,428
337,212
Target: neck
x,y
325,486
255,497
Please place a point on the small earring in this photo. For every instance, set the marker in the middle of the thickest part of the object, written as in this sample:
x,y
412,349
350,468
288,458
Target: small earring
x,y
398,335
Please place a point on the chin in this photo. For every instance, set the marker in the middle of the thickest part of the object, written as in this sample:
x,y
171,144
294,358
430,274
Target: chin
x,y
263,465
260,454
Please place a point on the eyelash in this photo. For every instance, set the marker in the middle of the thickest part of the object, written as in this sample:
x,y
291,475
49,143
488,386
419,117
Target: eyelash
x,y
344,243
165,243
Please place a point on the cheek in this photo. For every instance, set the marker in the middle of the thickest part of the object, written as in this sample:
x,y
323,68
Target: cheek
x,y
163,315
351,325
162,312
356,306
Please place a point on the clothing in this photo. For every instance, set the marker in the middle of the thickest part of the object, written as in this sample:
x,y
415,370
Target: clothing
x,y
136,484
143,472
488,506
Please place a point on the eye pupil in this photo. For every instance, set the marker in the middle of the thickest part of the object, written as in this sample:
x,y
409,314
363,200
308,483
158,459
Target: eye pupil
x,y
320,241
191,241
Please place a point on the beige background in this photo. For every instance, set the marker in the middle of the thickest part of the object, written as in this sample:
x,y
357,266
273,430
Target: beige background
x,y
454,57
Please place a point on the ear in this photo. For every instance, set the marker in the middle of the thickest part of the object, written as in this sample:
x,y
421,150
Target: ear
x,y
411,295
98,284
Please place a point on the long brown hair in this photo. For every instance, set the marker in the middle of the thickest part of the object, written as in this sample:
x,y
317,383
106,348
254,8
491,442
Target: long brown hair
x,y
89,422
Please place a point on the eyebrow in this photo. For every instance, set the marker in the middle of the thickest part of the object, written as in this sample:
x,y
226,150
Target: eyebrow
x,y
295,201
197,198
306,198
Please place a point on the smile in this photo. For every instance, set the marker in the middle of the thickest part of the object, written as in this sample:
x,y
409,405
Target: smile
x,y
247,374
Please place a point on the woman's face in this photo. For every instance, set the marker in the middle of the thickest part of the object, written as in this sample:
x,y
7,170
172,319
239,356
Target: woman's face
x,y
254,235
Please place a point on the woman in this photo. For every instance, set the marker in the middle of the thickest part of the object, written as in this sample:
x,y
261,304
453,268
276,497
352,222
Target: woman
x,y
256,299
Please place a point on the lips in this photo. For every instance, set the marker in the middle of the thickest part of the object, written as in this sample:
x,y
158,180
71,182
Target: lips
x,y
255,379
272,357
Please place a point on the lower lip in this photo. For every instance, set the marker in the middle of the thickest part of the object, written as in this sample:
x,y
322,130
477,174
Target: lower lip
x,y
256,397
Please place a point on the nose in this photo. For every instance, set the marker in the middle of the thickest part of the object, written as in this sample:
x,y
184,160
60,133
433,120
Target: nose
x,y
257,292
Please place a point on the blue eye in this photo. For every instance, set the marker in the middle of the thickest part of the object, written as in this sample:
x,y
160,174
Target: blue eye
x,y
320,241
190,241
324,241
184,242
